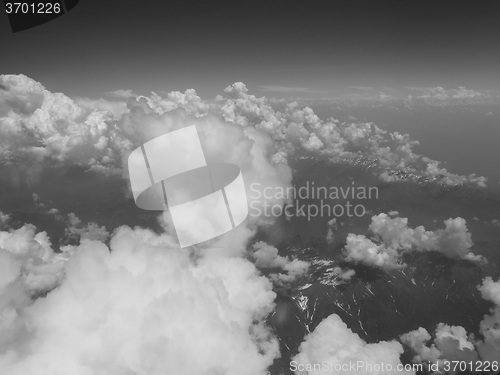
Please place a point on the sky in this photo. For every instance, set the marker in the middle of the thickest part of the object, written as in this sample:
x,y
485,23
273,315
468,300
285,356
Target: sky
x,y
313,48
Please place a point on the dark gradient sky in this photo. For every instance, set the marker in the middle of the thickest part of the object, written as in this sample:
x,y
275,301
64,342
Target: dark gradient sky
x,y
323,46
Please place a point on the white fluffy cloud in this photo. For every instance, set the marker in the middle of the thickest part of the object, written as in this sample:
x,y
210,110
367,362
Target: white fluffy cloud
x,y
298,130
146,307
360,249
418,341
91,231
28,268
392,237
453,343
266,256
143,306
30,252
39,125
334,344
4,219
489,349
54,128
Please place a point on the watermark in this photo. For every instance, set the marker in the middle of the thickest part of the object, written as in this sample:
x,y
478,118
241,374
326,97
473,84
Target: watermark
x,y
205,200
310,200
463,366
354,367
27,14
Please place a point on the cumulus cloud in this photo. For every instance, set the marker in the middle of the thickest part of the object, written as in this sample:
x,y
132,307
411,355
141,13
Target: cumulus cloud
x,y
91,231
489,349
266,256
433,170
333,343
40,269
418,341
28,268
392,237
454,343
38,125
360,249
450,343
144,306
42,126
189,101
4,219
57,130
297,130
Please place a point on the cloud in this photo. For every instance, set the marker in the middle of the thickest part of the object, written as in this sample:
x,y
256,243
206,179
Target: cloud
x,y
4,219
340,273
450,343
40,268
334,344
453,343
146,306
142,305
28,268
418,340
490,325
332,226
360,249
407,97
57,130
298,131
383,97
120,94
92,231
189,101
39,127
266,256
441,97
288,89
392,237
433,170
361,88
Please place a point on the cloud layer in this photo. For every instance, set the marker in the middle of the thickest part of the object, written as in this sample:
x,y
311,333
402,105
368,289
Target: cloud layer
x,y
144,306
392,238
41,126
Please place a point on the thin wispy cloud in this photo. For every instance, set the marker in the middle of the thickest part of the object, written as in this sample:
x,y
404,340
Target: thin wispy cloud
x,y
289,90
362,88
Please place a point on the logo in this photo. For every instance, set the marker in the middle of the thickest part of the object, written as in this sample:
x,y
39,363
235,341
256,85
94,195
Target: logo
x,y
171,172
